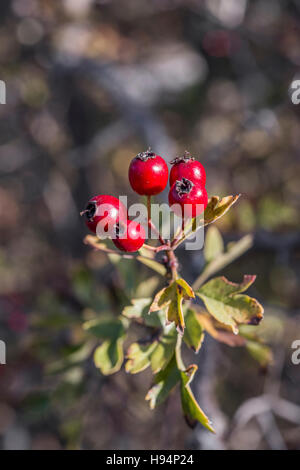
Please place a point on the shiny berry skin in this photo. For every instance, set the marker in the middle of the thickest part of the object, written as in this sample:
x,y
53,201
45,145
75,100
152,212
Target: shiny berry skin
x,y
190,199
104,210
187,167
134,236
148,174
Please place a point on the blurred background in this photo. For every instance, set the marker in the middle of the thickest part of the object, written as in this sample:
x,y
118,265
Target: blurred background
x,y
90,83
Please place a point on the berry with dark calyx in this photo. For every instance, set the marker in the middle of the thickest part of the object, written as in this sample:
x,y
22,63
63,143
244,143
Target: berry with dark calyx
x,y
104,210
148,173
130,236
187,167
187,198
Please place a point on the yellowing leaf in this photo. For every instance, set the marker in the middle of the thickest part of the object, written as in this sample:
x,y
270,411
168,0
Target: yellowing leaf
x,y
217,207
223,300
162,298
170,299
174,310
188,291
210,325
259,351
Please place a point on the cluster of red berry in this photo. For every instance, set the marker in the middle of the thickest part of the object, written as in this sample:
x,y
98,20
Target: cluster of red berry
x,y
148,176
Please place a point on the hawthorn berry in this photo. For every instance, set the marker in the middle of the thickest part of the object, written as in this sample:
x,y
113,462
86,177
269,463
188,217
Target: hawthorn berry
x,y
104,210
148,173
187,198
129,236
187,167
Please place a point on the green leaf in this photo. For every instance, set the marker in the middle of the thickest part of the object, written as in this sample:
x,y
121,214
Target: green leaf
x,y
170,299
137,308
55,320
71,359
105,328
138,357
164,383
214,245
190,407
188,374
163,351
147,287
234,251
109,356
155,320
157,354
140,310
224,301
193,333
152,264
260,352
127,271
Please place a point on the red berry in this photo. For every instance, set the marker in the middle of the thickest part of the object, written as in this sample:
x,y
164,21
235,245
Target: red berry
x,y
148,173
134,236
189,199
104,210
187,167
